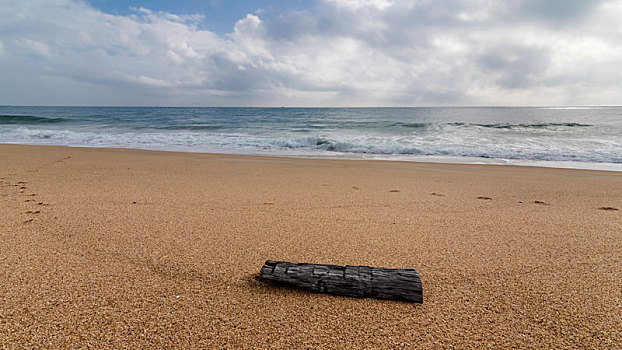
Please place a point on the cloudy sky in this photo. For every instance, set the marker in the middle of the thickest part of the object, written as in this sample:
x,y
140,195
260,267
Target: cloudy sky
x,y
310,53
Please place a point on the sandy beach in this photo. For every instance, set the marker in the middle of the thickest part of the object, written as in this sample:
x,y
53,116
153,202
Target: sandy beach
x,y
113,248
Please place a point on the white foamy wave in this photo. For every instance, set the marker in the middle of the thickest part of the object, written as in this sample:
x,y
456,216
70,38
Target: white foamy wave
x,y
453,141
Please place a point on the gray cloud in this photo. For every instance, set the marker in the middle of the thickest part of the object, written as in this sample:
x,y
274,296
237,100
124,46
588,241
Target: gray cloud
x,y
557,12
515,66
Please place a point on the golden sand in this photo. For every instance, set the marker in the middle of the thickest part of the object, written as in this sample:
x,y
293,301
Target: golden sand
x,y
82,266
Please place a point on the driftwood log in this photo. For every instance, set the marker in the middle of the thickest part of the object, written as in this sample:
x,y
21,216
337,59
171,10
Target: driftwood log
x,y
353,281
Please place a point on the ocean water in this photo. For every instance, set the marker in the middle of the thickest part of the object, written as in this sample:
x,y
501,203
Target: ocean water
x,y
573,137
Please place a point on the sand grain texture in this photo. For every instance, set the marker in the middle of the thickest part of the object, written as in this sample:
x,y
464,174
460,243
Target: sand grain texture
x,y
82,266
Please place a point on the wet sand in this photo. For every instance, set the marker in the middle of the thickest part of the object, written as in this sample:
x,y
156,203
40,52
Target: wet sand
x,y
109,248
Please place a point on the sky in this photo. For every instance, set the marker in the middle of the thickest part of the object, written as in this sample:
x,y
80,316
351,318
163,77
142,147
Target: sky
x,y
333,53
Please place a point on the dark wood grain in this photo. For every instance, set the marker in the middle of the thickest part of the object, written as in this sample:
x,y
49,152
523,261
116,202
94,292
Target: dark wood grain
x,y
353,281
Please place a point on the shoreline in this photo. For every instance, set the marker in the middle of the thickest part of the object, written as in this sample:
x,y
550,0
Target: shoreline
x,y
106,247
612,167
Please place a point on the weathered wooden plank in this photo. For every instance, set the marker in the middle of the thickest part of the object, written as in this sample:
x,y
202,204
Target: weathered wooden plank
x,y
354,281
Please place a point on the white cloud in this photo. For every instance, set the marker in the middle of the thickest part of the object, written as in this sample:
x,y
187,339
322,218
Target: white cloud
x,y
338,52
151,81
357,4
36,47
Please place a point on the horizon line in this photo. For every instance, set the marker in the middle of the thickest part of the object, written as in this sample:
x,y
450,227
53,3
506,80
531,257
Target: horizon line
x,y
317,107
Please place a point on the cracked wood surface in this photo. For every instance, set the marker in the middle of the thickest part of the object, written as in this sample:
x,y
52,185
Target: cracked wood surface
x,y
353,281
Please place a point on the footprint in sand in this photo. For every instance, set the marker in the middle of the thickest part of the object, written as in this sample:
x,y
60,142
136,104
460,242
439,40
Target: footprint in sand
x,y
608,208
484,198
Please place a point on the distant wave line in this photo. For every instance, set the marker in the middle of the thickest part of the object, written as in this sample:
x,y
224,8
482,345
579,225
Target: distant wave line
x,y
28,119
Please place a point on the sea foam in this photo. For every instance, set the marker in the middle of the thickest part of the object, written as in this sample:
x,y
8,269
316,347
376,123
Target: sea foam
x,y
586,135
